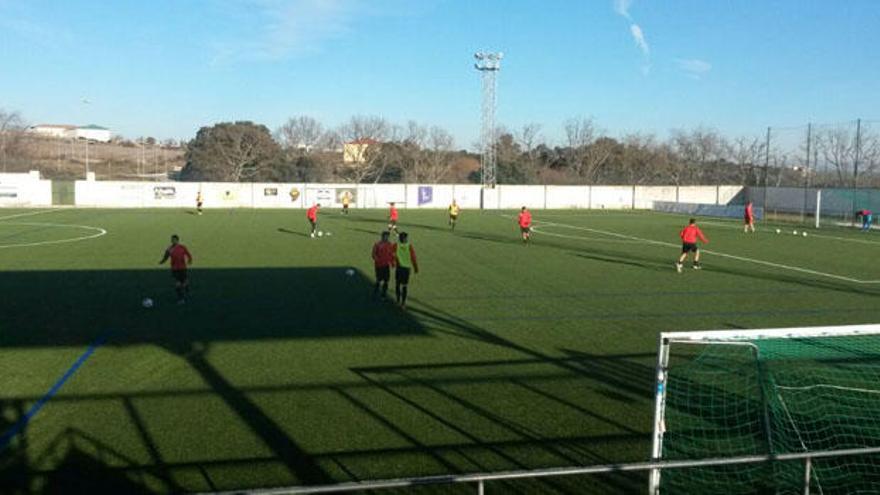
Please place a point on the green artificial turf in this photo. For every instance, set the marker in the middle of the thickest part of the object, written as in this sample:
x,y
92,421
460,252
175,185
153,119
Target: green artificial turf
x,y
284,370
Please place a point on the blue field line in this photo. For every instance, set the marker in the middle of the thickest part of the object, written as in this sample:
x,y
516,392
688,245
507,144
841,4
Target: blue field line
x,y
20,425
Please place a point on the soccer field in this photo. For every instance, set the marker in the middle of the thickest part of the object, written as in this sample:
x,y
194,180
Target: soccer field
x,y
283,370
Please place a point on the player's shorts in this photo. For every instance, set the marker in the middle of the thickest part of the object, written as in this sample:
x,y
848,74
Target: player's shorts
x,y
344,206
453,217
313,222
199,205
525,230
179,275
383,273
401,275
748,219
689,247
392,222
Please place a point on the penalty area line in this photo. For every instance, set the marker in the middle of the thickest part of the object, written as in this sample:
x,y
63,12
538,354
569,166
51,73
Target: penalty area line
x,y
720,254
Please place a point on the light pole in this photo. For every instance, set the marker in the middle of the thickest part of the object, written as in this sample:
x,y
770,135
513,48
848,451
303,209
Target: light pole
x,y
488,64
85,101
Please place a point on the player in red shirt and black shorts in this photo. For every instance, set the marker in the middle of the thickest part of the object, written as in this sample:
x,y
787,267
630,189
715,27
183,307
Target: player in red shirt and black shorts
x,y
312,215
749,219
525,224
392,218
180,258
383,258
689,236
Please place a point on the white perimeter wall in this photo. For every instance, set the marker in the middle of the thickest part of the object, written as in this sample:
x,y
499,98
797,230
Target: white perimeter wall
x,y
256,195
25,190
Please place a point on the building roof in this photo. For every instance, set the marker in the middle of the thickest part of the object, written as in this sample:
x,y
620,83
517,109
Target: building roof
x,y
54,126
94,127
363,141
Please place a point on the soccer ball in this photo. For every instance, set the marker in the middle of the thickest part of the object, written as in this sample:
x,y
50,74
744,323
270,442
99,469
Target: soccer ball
x,y
349,272
147,302
778,231
795,232
320,234
804,233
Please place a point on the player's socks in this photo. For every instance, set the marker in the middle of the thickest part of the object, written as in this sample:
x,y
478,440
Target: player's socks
x,y
678,266
403,296
397,293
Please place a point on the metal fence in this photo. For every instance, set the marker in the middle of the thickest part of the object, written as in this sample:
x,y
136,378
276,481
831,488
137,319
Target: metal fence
x,y
478,483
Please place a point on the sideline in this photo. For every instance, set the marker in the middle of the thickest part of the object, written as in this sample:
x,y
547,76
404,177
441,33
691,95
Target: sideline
x,y
717,253
20,425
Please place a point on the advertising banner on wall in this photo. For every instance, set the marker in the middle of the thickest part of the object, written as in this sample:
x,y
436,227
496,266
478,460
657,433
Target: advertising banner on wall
x,y
426,195
164,192
270,191
324,196
8,192
294,194
229,195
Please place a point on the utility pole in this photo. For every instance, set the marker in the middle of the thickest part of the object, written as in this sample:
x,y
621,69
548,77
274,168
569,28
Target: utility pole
x,y
766,169
488,64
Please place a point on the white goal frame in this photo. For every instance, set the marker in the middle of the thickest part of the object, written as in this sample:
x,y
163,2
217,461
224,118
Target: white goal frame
x,y
729,337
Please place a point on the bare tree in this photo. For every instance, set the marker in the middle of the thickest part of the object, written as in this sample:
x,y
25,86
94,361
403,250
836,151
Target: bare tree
x,y
586,152
11,125
300,135
529,138
369,132
838,147
746,153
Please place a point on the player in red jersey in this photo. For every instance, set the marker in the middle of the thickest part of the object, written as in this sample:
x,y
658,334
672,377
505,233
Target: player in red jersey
x,y
312,215
525,224
749,219
392,217
689,237
180,258
383,258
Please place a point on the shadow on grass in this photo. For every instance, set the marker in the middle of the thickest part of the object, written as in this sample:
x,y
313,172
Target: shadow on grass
x,y
293,232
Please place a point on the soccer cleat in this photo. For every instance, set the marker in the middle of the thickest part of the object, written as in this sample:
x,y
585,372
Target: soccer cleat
x,y
698,267
678,267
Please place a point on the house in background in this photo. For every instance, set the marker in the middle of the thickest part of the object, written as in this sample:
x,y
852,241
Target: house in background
x,y
356,151
89,132
94,133
54,130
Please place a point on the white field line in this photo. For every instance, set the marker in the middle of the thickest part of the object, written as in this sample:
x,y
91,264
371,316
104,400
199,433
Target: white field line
x,y
98,233
812,232
40,212
594,239
716,253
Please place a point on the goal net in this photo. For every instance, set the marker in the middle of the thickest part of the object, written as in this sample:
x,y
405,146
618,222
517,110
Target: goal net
x,y
725,394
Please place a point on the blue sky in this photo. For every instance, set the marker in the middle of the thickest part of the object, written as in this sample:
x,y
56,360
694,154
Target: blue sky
x,y
164,68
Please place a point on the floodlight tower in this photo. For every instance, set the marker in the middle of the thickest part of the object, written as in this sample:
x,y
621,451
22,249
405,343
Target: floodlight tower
x,y
488,64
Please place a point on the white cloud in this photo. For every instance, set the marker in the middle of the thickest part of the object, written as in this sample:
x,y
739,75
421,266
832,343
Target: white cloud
x,y
622,7
693,67
639,37
294,27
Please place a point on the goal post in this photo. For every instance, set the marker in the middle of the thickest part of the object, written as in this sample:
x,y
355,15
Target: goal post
x,y
773,392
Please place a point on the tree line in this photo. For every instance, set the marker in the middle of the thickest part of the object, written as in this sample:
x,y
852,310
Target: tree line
x,y
305,150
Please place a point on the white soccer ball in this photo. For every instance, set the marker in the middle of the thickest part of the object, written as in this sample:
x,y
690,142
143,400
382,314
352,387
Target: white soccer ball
x,y
778,231
805,233
147,302
349,272
795,232
320,234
